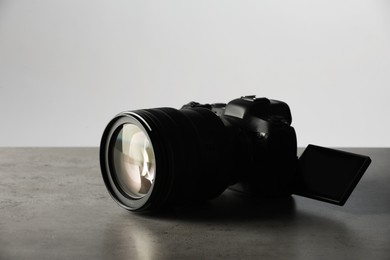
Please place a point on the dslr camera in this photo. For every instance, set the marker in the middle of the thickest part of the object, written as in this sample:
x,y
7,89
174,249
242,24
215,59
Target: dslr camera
x,y
152,159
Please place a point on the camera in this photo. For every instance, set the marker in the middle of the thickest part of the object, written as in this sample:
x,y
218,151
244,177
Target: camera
x,y
152,159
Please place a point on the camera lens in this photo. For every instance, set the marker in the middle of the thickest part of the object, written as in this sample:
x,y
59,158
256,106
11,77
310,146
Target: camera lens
x,y
155,158
134,161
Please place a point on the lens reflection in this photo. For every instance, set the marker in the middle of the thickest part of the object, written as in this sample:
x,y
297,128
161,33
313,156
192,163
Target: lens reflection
x,y
134,161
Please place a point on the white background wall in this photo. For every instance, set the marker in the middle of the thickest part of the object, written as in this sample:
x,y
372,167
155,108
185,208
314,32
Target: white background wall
x,y
66,67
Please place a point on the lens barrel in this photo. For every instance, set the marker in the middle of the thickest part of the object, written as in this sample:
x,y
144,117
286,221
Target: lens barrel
x,y
180,154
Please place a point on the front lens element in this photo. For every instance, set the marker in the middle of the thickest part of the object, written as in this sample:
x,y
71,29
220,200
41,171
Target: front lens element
x,y
134,161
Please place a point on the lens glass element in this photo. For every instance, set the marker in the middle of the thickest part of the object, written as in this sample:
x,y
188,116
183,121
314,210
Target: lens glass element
x,y
134,161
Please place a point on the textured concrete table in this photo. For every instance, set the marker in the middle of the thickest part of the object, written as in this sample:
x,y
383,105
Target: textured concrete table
x,y
53,205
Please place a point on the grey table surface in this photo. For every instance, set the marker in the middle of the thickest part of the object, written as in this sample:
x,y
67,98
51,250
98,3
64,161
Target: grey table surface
x,y
53,205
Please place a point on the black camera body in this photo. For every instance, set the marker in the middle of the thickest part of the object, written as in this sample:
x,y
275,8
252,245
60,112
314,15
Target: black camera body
x,y
263,141
155,158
